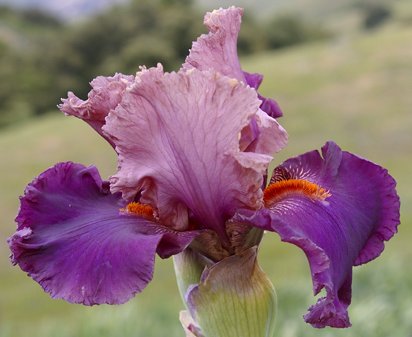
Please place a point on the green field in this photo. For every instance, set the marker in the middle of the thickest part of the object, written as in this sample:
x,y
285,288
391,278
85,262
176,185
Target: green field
x,y
354,90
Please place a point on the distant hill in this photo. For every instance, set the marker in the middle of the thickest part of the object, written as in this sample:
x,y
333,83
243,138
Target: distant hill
x,y
71,9
316,9
268,7
74,9
65,9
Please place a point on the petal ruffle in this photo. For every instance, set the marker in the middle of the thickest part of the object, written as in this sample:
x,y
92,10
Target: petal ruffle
x,y
73,239
218,51
347,228
105,95
178,137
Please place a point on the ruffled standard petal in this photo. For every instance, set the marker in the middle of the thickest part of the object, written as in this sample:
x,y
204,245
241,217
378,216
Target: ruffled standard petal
x,y
262,135
105,95
218,51
177,136
339,209
73,238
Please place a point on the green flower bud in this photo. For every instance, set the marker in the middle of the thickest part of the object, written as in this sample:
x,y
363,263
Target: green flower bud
x,y
234,298
189,266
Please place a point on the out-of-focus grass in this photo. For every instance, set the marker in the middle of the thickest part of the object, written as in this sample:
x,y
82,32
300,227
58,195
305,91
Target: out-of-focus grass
x,y
356,91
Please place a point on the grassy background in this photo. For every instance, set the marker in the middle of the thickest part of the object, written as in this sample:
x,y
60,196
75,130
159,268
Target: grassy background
x,y
355,90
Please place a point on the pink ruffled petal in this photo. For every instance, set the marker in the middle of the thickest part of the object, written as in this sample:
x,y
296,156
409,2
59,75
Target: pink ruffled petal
x,y
105,95
262,135
218,51
178,136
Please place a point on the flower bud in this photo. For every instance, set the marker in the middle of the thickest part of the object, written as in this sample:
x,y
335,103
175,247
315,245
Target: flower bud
x,y
234,298
189,266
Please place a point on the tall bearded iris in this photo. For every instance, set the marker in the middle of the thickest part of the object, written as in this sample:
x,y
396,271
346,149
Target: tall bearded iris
x,y
193,151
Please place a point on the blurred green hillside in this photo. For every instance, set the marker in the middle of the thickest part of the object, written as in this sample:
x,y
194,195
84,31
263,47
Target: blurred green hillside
x,y
41,58
355,89
323,9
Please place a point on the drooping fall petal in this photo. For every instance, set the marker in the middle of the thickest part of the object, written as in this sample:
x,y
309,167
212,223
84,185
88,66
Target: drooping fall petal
x,y
75,240
339,209
178,138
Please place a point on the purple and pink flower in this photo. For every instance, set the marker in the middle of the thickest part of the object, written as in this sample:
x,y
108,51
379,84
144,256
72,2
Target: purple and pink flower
x,y
193,151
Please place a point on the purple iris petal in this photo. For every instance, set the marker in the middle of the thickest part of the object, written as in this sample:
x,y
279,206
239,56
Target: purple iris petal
x,y
343,225
253,79
73,239
105,95
178,137
268,105
218,51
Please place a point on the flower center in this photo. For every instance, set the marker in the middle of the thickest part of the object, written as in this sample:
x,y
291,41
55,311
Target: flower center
x,y
279,189
139,209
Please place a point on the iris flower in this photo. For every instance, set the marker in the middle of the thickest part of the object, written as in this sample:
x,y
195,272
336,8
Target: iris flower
x,y
193,151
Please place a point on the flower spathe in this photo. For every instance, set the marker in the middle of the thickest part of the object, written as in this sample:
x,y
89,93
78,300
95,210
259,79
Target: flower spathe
x,y
193,151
